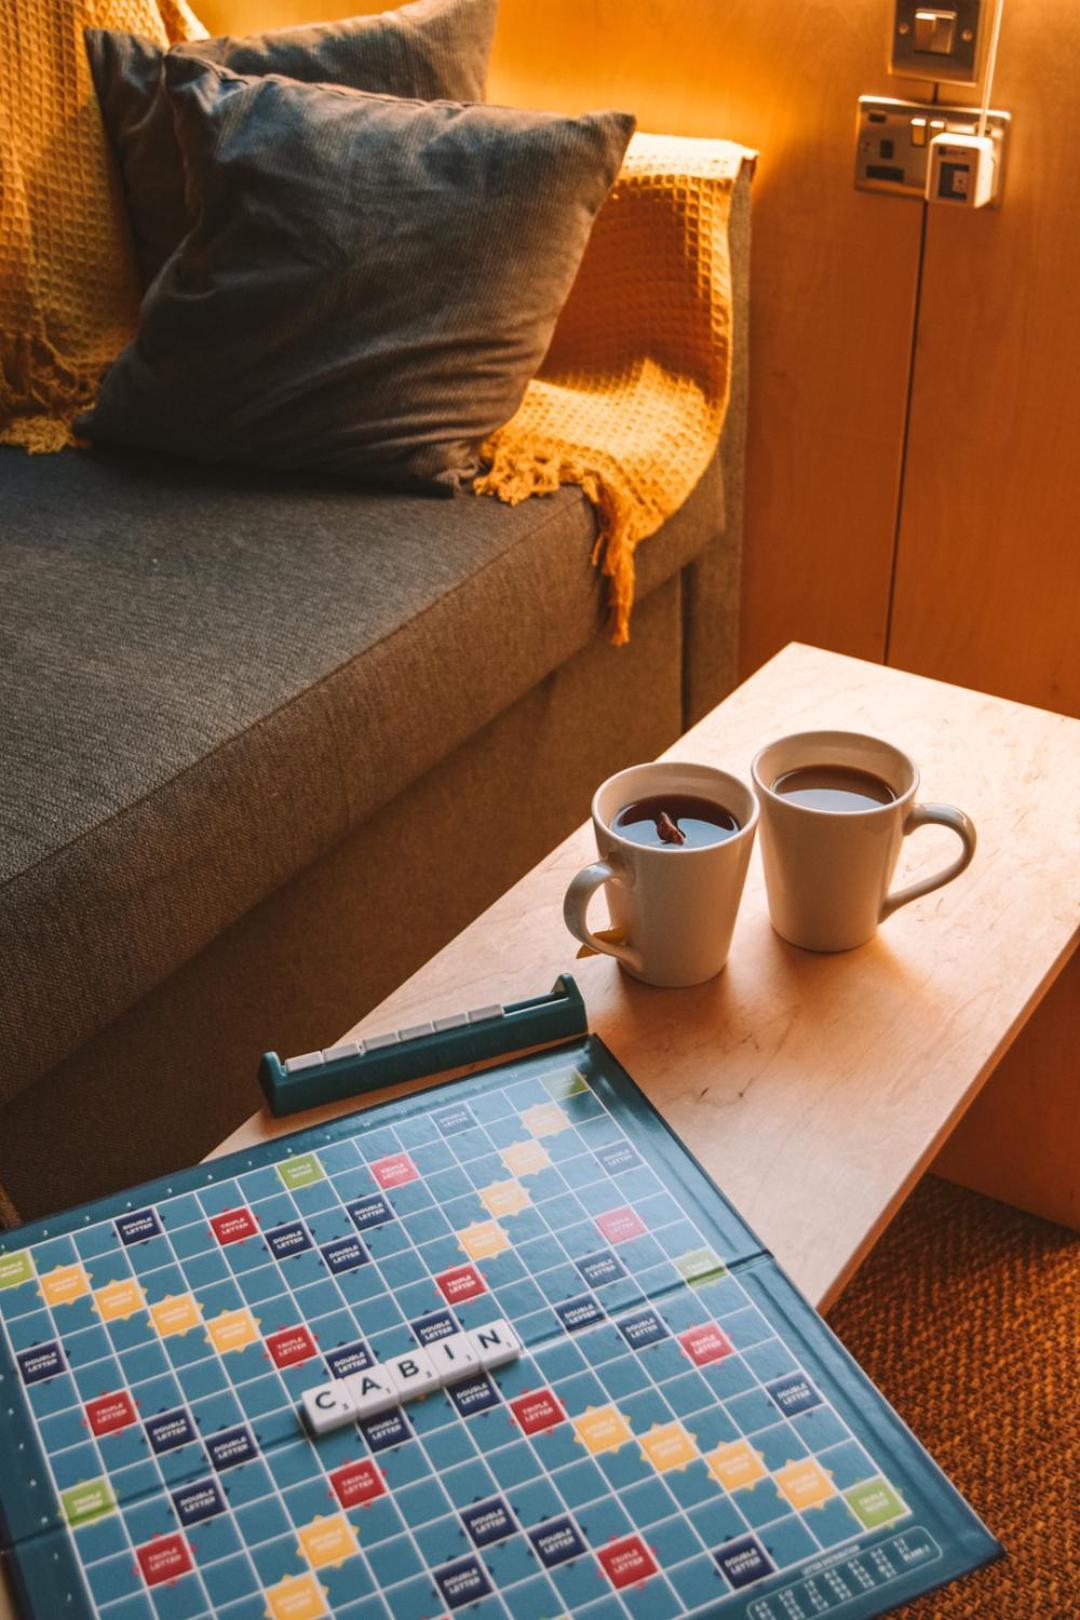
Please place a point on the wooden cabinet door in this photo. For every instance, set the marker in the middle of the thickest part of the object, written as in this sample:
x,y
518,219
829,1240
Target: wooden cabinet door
x,y
987,590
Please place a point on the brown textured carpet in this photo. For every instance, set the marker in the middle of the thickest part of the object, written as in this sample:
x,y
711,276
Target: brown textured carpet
x,y
967,1317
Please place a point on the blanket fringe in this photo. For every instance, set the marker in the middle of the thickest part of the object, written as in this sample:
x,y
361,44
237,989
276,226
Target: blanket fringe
x,y
515,473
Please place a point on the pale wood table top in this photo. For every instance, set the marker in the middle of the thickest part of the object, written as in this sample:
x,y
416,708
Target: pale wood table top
x,y
816,1089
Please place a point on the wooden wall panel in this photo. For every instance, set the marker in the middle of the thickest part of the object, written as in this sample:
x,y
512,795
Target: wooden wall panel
x,y
833,277
988,571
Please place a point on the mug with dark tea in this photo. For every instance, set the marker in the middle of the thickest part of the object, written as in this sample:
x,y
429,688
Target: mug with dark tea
x,y
674,842
835,809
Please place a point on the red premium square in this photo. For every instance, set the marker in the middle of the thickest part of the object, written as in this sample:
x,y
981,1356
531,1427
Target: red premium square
x,y
291,1346
627,1561
356,1483
464,1282
620,1224
538,1411
395,1170
109,1413
164,1559
705,1344
233,1225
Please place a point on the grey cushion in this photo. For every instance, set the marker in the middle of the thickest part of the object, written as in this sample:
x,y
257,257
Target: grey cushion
x,y
209,678
371,282
431,50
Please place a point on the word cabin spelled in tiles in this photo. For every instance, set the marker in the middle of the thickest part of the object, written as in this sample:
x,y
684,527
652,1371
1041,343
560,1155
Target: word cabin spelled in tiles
x,y
407,1377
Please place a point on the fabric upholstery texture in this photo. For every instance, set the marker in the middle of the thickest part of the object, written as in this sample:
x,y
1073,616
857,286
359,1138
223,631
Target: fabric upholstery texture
x,y
632,395
370,283
299,653
296,970
430,50
68,285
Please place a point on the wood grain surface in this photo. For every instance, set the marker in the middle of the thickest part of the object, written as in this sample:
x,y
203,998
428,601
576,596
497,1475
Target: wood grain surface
x,y
816,1089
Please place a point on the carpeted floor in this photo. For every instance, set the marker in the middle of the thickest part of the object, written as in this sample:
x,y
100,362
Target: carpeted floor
x,y
967,1316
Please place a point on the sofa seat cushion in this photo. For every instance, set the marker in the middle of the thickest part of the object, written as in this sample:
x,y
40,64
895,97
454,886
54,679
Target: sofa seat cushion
x,y
210,677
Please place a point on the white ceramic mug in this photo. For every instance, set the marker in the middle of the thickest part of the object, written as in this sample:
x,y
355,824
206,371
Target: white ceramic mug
x,y
827,872
673,909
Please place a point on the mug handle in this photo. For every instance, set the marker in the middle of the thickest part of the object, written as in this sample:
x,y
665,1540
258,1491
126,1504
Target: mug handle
x,y
576,905
941,815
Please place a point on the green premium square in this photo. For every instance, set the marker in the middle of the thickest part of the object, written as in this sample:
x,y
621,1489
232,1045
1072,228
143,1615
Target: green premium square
x,y
82,1504
301,1171
16,1268
874,1503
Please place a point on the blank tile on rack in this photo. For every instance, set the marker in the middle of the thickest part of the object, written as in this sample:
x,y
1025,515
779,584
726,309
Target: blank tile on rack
x,y
328,1406
495,1343
453,1356
372,1391
412,1374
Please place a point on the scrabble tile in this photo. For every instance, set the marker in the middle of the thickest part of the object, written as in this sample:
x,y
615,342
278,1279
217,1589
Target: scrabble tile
x,y
495,1343
453,1356
371,1391
328,1406
412,1374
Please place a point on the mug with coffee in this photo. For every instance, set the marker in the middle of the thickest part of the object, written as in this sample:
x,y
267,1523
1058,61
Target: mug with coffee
x,y
674,843
835,809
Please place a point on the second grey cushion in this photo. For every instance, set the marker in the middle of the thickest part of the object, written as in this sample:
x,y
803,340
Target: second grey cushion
x,y
430,50
371,282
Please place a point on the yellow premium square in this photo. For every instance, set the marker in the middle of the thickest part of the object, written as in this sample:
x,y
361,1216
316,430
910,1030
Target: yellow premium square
x,y
176,1313
483,1240
64,1284
232,1330
804,1483
669,1446
328,1542
526,1158
736,1464
545,1119
602,1428
297,1597
119,1300
505,1198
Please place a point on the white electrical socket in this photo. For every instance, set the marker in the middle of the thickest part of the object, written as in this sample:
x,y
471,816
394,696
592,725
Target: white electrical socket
x,y
962,171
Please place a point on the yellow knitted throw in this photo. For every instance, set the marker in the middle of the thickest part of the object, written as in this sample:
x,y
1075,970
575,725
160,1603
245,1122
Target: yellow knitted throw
x,y
630,400
68,288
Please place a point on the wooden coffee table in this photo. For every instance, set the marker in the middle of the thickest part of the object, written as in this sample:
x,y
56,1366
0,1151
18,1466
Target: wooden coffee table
x,y
816,1089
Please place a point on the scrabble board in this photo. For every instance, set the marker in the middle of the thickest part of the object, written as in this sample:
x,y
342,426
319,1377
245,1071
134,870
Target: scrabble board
x,y
674,1430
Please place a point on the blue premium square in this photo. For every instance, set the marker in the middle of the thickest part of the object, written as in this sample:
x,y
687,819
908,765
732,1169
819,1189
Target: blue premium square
x,y
169,1430
473,1395
793,1394
642,1329
291,1238
462,1582
194,1503
386,1430
348,1358
557,1541
371,1211
488,1522
744,1561
345,1254
231,1447
137,1227
597,1269
452,1120
436,1325
583,1312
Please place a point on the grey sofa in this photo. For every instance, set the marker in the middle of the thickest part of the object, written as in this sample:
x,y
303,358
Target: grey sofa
x,y
266,745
